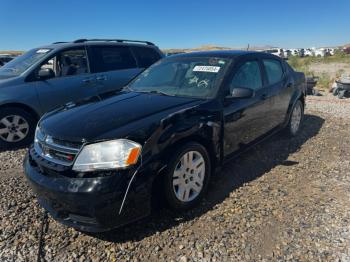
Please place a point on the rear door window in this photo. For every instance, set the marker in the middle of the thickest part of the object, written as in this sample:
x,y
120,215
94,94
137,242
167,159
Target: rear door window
x,y
145,56
273,70
111,58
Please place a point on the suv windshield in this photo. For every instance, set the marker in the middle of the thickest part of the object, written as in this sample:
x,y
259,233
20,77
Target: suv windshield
x,y
20,64
184,76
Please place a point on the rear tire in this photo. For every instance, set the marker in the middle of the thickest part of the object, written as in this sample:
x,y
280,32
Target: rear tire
x,y
295,119
187,176
17,127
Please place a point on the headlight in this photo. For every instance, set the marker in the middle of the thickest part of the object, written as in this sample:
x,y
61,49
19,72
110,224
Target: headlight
x,y
107,155
39,135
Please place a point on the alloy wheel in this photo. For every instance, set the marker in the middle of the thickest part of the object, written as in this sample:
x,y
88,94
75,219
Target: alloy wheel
x,y
296,118
188,176
13,128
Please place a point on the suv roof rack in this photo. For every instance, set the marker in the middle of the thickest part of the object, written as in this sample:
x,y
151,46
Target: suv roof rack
x,y
112,40
59,43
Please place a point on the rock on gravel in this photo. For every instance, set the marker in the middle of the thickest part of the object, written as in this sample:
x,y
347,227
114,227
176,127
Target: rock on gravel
x,y
285,200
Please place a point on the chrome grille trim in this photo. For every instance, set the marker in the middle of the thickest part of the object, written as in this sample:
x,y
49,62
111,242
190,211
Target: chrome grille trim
x,y
45,146
63,149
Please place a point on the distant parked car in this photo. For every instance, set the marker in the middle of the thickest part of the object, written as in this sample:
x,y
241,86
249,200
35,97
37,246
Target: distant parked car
x,y
46,77
330,51
287,53
276,51
320,52
308,52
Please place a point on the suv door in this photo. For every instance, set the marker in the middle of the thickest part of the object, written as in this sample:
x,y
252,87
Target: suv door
x,y
71,80
246,119
280,88
113,66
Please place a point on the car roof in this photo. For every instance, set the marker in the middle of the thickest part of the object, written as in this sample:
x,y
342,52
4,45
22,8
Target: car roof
x,y
62,45
217,53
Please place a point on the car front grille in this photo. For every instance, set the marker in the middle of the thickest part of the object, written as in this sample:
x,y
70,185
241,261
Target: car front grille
x,y
55,150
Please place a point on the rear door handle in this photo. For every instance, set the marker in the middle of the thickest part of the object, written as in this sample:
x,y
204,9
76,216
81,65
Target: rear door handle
x,y
101,78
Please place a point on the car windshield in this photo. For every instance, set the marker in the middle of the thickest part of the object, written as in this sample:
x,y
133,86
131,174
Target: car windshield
x,y
20,64
183,76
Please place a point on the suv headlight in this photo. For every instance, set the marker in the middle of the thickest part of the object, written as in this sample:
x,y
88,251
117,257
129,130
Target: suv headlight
x,y
107,155
39,135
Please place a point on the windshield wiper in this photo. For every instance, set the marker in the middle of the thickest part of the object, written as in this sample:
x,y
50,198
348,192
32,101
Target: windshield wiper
x,y
158,92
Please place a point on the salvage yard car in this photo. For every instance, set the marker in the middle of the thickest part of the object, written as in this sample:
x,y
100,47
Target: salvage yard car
x,y
46,77
98,164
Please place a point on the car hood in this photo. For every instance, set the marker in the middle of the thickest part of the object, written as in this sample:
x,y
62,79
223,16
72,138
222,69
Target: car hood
x,y
4,80
90,119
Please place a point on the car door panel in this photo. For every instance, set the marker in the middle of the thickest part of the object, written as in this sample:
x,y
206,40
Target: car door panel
x,y
72,81
281,94
113,66
280,89
246,119
58,91
115,80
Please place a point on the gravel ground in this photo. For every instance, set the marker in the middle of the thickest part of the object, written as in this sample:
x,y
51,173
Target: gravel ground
x,y
284,200
329,104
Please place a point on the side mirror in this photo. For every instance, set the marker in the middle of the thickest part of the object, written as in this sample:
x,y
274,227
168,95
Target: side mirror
x,y
46,73
242,92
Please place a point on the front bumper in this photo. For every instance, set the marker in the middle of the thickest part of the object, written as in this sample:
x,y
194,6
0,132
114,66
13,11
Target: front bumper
x,y
89,204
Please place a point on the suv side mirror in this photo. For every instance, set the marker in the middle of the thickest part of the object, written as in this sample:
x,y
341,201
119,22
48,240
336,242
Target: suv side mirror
x,y
46,73
242,92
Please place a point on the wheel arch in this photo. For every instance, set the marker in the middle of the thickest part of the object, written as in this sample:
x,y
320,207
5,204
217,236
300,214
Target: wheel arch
x,y
24,107
156,197
296,97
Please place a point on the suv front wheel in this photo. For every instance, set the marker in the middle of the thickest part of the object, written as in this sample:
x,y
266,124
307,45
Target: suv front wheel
x,y
16,127
187,177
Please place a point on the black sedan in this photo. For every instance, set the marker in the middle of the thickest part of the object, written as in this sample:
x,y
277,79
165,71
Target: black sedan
x,y
97,164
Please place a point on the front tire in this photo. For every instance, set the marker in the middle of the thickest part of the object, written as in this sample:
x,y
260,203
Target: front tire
x,y
17,128
296,118
187,176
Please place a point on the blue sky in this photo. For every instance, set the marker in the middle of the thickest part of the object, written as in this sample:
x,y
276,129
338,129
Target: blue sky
x,y
178,23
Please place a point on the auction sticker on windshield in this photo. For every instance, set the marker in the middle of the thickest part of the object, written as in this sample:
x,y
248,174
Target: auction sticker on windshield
x,y
42,51
210,69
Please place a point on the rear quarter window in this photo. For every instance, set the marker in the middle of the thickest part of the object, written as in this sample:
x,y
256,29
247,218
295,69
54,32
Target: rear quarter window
x,y
110,58
146,56
273,70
